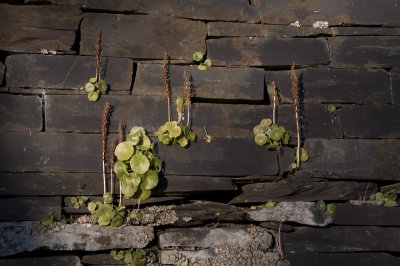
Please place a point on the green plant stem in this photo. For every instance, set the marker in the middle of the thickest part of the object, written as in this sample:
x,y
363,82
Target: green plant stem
x,y
120,194
112,182
274,103
104,176
298,137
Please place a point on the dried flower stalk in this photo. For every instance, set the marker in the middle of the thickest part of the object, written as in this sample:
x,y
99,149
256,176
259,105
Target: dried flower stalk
x,y
274,102
187,102
104,126
113,144
167,83
295,93
98,55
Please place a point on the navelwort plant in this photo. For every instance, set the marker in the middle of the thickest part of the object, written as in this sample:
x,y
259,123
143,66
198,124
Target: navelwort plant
x,y
176,132
201,61
96,86
328,208
389,199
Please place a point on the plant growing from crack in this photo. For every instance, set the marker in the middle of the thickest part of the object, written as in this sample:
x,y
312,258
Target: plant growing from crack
x,y
389,199
131,257
301,153
176,132
328,208
79,201
201,61
96,86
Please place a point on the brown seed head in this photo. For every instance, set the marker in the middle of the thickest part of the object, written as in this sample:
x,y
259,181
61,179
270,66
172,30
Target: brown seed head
x,y
104,126
165,71
121,128
113,144
98,55
186,89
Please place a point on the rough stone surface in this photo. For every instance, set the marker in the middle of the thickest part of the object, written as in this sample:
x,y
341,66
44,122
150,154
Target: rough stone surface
x,y
215,83
67,260
20,113
377,121
179,38
46,27
395,80
335,12
203,238
334,85
29,236
225,255
365,51
299,212
2,71
365,31
234,10
366,215
29,208
304,191
66,72
342,239
352,159
223,29
267,52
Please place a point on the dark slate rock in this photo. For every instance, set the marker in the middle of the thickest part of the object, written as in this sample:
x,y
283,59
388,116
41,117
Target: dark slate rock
x,y
67,260
365,51
267,52
20,113
223,157
233,10
220,120
2,71
365,31
352,159
335,12
317,121
223,29
215,83
148,112
334,85
344,259
366,215
46,27
395,80
303,191
29,208
101,259
67,152
66,72
342,239
47,152
130,36
371,121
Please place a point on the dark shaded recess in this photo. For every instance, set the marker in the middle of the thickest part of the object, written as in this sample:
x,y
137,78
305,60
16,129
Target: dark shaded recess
x,y
366,215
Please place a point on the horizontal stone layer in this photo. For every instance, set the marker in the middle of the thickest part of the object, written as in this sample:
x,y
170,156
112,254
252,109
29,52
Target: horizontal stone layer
x,y
232,10
366,215
66,72
29,208
20,113
67,260
329,85
215,83
64,152
333,259
334,12
267,52
142,37
365,51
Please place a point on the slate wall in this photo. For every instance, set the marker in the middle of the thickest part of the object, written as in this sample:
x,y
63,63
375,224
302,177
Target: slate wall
x,y
50,133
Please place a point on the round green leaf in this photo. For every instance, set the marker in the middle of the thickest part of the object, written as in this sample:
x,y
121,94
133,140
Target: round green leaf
x,y
166,139
321,205
143,194
276,134
258,130
93,80
128,190
198,56
93,96
207,62
270,204
266,122
134,139
156,163
128,258
150,180
273,146
261,139
145,144
124,151
139,163
331,108
175,132
330,208
304,157
293,165
134,179
138,131
286,138
202,67
117,221
102,86
108,198
92,207
89,87
379,196
209,138
191,136
183,142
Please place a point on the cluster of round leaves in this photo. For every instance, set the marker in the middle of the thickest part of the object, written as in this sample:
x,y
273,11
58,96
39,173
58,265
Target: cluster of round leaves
x,y
137,166
329,208
269,205
173,132
94,88
105,213
267,133
303,157
79,201
130,257
201,61
389,199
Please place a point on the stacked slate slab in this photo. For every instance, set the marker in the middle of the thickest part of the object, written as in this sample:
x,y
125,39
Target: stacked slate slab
x,y
209,207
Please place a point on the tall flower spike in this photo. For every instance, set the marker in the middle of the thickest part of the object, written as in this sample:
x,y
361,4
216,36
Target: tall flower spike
x,y
274,102
187,95
295,93
104,126
98,55
167,87
120,131
113,144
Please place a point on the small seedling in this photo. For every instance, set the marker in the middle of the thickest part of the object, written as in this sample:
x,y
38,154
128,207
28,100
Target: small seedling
x,y
208,138
321,205
130,257
48,220
332,108
79,201
330,208
201,61
389,199
270,204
